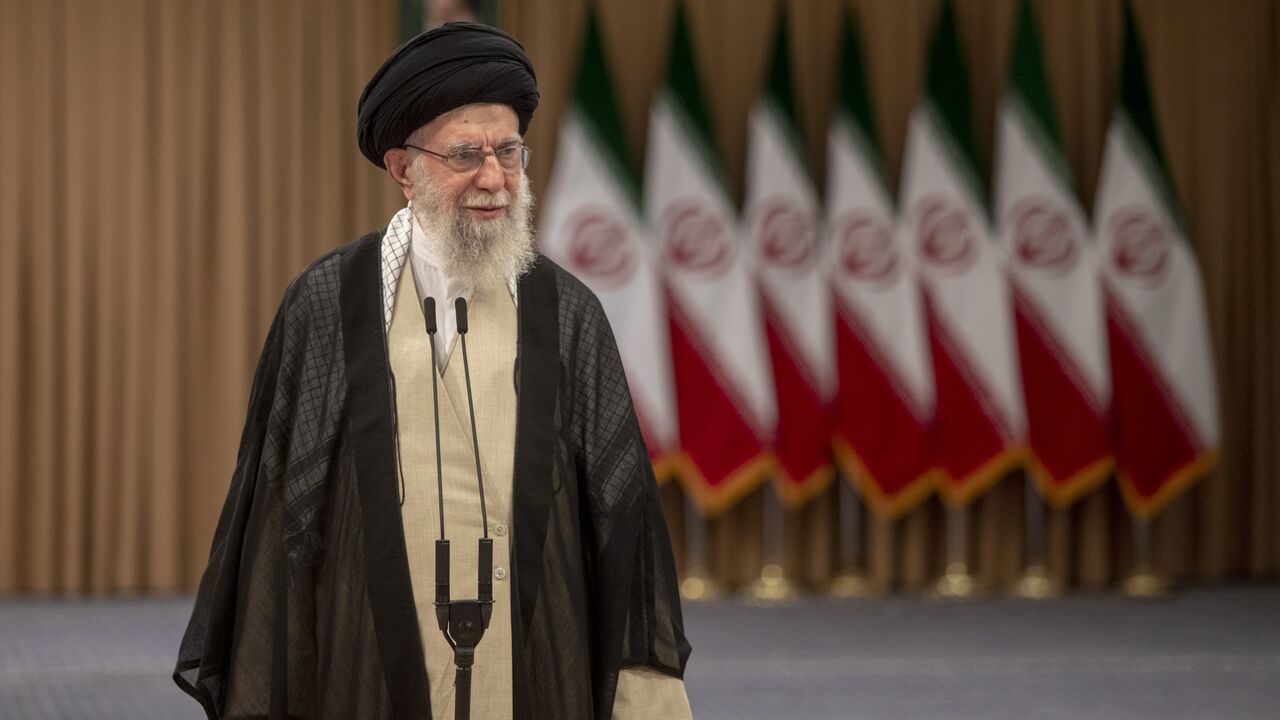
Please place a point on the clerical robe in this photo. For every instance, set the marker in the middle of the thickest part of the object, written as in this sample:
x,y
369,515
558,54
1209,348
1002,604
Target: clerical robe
x,y
307,607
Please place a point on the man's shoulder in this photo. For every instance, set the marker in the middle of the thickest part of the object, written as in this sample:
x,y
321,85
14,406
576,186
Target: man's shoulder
x,y
321,274
575,296
581,315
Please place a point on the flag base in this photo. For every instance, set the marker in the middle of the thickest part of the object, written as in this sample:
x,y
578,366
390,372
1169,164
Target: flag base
x,y
957,584
1036,584
853,584
699,586
771,587
1145,582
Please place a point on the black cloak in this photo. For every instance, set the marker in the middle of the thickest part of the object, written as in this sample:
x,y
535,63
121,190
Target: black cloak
x,y
306,608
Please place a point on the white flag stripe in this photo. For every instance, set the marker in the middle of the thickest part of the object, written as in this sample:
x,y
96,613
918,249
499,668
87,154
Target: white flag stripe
x,y
1163,291
790,274
1062,280
881,287
968,277
716,290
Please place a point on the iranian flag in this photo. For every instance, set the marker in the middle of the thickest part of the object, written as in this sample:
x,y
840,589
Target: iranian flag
x,y
884,406
1166,403
980,421
1057,291
719,357
591,223
782,213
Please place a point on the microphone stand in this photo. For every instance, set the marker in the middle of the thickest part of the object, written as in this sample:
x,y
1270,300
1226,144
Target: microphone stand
x,y
463,622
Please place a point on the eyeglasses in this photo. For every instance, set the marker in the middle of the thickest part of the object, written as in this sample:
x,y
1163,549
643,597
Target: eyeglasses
x,y
510,157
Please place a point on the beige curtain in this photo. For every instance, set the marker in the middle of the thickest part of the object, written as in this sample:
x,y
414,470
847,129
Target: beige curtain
x,y
166,166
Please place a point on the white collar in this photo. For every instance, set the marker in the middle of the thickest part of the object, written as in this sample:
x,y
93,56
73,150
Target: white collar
x,y
402,233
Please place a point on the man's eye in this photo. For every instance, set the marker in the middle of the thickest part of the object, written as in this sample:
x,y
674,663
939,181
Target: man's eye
x,y
468,157
507,152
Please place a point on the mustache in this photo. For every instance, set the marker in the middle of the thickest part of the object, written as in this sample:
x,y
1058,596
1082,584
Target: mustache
x,y
484,198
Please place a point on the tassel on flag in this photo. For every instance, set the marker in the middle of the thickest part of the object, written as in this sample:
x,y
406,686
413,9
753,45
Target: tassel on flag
x,y
1057,290
723,385
1166,404
980,418
591,223
782,213
884,405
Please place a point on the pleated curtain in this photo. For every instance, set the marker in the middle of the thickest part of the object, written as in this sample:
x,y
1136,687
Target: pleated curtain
x,y
167,166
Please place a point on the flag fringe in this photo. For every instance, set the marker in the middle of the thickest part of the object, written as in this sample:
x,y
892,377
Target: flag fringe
x,y
1179,480
795,493
715,500
1062,493
880,502
963,490
664,467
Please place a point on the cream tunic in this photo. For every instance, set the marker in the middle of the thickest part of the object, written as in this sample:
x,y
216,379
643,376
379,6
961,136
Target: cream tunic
x,y
491,342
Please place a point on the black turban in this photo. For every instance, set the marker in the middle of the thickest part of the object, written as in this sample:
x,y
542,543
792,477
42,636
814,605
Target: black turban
x,y
450,66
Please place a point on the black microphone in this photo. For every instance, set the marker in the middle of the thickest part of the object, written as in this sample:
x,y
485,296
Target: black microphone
x,y
462,622
429,313
460,307
442,545
485,564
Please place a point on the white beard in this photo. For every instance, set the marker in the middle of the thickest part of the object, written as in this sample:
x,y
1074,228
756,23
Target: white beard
x,y
479,253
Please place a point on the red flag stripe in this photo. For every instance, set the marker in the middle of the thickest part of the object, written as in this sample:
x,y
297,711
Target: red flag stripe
x,y
1069,433
881,443
972,446
802,445
722,457
1157,453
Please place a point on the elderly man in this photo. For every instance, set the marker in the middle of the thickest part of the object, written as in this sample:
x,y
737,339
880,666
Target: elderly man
x,y
321,595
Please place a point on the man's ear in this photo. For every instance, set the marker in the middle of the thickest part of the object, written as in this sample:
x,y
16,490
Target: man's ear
x,y
397,161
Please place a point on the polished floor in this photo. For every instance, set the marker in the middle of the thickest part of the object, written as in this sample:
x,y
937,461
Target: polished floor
x,y
1209,653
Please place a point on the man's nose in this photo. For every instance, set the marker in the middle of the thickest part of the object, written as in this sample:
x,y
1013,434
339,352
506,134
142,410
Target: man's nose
x,y
489,177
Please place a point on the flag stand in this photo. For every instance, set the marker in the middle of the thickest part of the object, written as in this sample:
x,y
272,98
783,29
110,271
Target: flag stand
x,y
852,582
1144,581
697,585
772,586
1035,583
956,582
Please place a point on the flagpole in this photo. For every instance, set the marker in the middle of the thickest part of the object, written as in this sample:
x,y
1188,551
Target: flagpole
x,y
772,586
697,585
957,583
852,582
1035,583
1143,581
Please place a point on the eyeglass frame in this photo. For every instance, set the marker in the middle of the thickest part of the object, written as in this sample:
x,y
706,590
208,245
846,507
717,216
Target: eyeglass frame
x,y
448,159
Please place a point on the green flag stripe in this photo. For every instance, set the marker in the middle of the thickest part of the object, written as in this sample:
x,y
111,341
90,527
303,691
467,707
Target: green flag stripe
x,y
854,108
779,85
686,94
682,74
1134,95
1048,146
789,132
948,87
866,147
1027,76
1139,119
855,92
956,154
594,100
1151,169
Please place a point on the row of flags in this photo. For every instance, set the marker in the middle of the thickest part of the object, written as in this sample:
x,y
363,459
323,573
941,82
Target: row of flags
x,y
932,343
